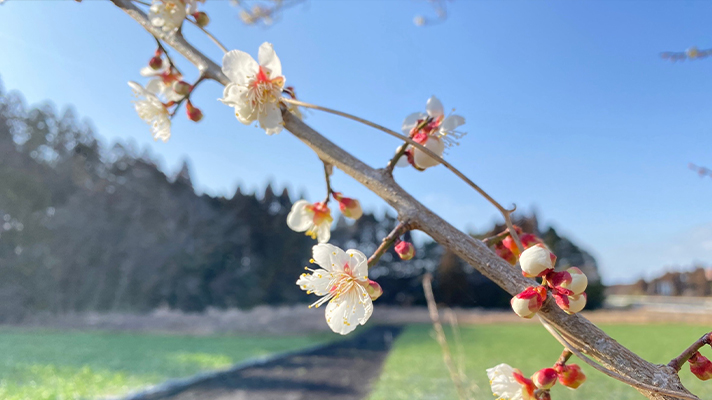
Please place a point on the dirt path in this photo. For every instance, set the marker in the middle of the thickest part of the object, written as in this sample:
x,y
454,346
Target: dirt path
x,y
344,370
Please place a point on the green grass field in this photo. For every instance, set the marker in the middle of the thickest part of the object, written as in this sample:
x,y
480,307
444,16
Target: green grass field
x,y
74,365
415,368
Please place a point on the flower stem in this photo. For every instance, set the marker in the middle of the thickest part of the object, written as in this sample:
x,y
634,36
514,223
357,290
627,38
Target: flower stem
x,y
392,163
327,178
565,355
388,241
187,96
210,35
680,360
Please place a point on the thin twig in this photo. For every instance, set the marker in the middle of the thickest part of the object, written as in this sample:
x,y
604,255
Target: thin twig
x,y
496,238
187,96
210,35
564,358
680,360
388,241
440,336
612,374
392,163
327,178
142,2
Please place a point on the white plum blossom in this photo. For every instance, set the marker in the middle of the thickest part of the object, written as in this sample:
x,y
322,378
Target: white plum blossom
x,y
255,89
313,219
506,386
342,280
168,14
162,81
433,130
150,108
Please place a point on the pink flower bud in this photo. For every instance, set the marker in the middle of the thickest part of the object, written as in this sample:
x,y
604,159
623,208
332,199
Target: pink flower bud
x,y
527,303
201,19
182,87
571,304
194,113
156,62
528,240
350,208
700,366
572,279
374,289
537,261
528,386
570,375
545,378
405,250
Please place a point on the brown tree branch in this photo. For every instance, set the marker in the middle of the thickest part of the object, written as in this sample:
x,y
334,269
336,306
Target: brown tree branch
x,y
680,360
581,333
388,242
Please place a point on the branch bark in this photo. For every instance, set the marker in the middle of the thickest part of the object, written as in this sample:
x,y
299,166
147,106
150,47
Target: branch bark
x,y
580,332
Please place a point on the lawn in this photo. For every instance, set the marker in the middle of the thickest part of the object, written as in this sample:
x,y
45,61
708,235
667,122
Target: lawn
x,y
74,365
415,368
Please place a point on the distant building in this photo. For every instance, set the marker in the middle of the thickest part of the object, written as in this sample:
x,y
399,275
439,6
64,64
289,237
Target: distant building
x,y
697,283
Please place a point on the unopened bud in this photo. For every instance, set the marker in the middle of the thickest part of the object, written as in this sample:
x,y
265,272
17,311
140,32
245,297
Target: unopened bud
x,y
527,303
504,252
545,378
570,375
182,87
350,208
405,250
194,113
374,289
537,261
700,366
155,63
201,19
571,304
572,279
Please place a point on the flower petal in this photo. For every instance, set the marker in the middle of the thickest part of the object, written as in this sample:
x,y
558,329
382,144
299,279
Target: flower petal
x,y
317,282
358,262
328,256
299,219
271,119
323,233
434,107
343,314
451,123
268,58
239,66
410,121
423,160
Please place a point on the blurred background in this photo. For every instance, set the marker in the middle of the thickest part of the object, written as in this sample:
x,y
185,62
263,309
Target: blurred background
x,y
109,240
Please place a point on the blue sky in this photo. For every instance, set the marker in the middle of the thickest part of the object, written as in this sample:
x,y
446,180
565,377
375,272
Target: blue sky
x,y
569,109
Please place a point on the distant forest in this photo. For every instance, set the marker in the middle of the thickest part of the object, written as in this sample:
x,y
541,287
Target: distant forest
x,y
90,228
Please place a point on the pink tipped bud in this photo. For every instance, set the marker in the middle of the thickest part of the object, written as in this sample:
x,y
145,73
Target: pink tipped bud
x,y
570,375
528,240
572,279
350,208
545,378
405,250
201,19
194,113
182,87
700,366
527,303
374,289
537,261
156,62
571,304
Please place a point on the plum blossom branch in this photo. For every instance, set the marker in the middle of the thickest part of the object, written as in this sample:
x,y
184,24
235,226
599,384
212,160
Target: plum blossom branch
x,y
612,374
564,358
441,338
209,35
680,360
388,241
142,3
506,213
583,333
201,78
